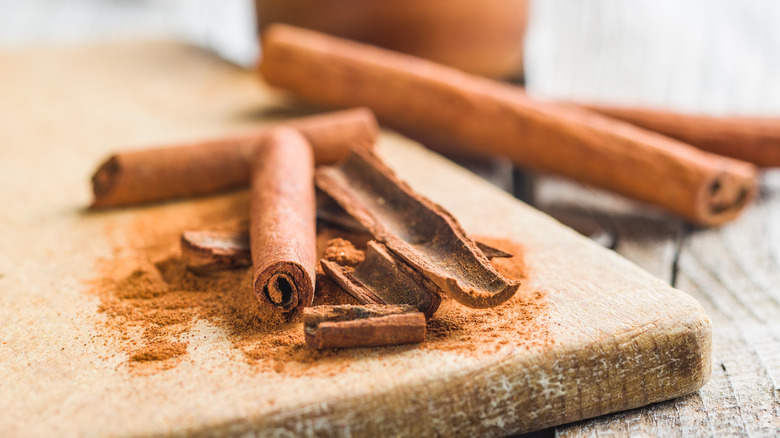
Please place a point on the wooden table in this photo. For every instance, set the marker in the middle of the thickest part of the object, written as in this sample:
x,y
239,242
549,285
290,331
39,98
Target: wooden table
x,y
733,271
702,57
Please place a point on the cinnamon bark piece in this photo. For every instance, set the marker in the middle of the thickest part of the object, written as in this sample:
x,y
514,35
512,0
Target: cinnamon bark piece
x,y
331,212
283,222
492,252
206,167
382,278
206,251
492,118
752,139
209,251
420,232
346,326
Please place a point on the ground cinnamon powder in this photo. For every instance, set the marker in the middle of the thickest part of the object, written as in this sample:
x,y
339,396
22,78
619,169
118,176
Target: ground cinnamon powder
x,y
151,301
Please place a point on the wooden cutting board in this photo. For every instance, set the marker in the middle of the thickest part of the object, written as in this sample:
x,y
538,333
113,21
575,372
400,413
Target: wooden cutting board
x,y
605,335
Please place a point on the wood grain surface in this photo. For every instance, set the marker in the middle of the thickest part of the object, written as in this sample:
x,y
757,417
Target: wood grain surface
x,y
698,57
733,272
620,338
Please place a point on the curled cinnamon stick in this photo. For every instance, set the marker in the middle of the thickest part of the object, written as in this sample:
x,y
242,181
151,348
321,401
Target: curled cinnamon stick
x,y
206,167
752,139
489,117
348,326
418,231
282,221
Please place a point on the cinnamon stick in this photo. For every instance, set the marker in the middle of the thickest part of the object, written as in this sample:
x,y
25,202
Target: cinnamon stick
x,y
489,117
348,326
282,221
206,167
420,232
752,139
382,278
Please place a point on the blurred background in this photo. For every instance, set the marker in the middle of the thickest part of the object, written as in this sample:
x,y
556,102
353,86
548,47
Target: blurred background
x,y
713,57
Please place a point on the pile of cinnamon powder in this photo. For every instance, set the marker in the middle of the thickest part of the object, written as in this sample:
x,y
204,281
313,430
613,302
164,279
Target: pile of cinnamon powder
x,y
151,300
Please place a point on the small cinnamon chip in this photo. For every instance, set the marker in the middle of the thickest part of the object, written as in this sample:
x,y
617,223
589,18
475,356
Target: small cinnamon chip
x,y
418,231
343,253
208,251
382,278
347,326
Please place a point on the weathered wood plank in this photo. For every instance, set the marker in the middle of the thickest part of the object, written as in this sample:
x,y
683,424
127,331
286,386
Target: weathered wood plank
x,y
646,237
632,54
649,239
733,272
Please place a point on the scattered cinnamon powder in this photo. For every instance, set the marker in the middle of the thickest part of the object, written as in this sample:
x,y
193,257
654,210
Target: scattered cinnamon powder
x,y
521,321
343,252
151,300
160,351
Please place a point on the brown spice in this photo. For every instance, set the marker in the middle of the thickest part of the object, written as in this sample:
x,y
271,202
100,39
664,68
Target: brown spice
x,y
522,321
161,351
209,251
365,325
151,300
492,118
343,252
418,231
383,278
211,166
283,221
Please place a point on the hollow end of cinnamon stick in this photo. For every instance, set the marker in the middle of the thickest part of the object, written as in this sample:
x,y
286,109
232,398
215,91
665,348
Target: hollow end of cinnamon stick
x,y
725,195
284,286
104,180
283,221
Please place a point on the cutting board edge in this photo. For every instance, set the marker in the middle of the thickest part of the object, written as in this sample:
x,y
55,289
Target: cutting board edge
x,y
688,347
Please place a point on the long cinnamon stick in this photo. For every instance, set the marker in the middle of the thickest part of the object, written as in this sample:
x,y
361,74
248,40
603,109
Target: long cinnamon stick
x,y
752,139
206,167
420,232
490,117
348,326
283,221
